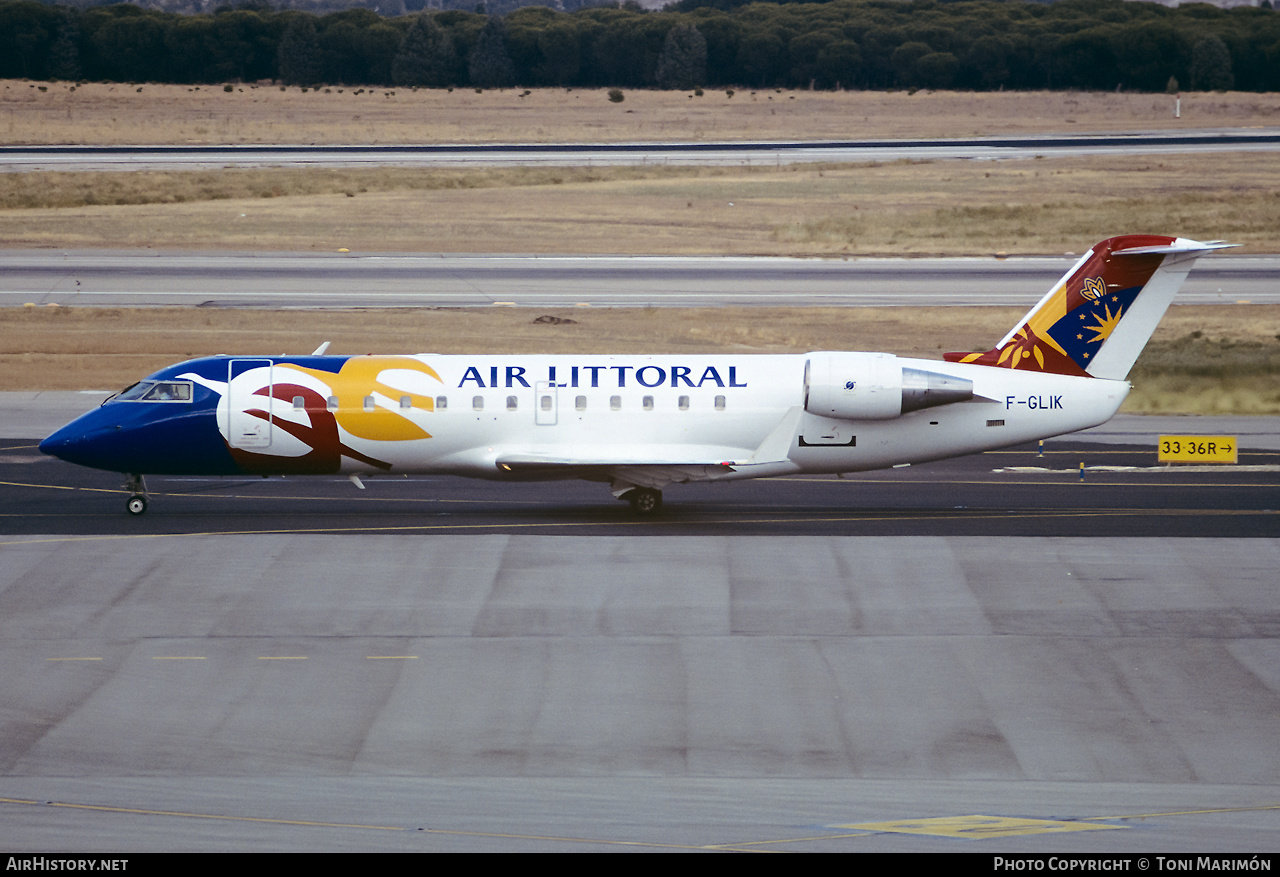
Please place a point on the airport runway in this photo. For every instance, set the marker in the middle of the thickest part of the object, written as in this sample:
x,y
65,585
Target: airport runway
x,y
439,664
98,278
1016,492
940,658
186,157
1029,490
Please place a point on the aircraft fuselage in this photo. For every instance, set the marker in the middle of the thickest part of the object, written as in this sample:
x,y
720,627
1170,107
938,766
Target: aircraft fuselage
x,y
537,416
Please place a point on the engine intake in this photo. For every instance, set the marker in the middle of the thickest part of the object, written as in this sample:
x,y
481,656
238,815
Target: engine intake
x,y
875,386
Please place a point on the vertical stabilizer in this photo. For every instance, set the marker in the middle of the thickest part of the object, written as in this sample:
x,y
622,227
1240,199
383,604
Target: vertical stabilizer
x,y
1096,320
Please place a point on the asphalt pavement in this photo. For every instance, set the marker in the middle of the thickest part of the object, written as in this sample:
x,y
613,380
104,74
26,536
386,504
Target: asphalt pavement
x,y
351,280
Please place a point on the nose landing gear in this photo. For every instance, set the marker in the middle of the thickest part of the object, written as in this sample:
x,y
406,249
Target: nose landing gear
x,y
137,503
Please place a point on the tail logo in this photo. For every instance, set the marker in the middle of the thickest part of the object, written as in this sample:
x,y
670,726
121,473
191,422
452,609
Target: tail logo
x,y
1093,289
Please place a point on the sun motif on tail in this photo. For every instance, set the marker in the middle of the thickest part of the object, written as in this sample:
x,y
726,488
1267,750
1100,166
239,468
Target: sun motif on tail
x,y
1106,325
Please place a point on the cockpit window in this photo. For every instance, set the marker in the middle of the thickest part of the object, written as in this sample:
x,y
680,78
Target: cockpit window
x,y
169,391
156,391
133,391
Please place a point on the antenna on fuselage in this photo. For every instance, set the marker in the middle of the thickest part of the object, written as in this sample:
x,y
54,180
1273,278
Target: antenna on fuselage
x,y
319,351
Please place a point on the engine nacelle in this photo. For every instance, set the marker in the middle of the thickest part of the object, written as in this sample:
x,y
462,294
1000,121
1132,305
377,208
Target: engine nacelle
x,y
874,386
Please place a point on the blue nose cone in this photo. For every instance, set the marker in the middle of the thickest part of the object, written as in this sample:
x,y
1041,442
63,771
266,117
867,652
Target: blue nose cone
x,y
144,438
57,444
85,441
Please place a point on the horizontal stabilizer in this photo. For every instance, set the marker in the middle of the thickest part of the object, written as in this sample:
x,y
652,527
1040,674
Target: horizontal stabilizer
x,y
1180,246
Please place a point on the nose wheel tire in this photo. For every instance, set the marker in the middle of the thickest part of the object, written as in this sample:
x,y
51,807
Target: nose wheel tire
x,y
137,504
645,501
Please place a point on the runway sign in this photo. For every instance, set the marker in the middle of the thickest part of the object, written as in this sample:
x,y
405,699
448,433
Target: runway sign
x,y
1197,449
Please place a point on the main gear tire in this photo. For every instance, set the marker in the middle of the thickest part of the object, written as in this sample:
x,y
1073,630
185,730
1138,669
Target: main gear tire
x,y
645,501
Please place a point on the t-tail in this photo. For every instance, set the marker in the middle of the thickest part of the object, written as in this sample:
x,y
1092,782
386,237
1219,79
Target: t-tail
x,y
1098,317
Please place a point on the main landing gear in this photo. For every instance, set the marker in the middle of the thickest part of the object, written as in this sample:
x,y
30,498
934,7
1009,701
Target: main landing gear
x,y
137,502
644,501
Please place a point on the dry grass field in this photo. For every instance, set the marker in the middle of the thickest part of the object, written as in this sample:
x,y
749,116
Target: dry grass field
x,y
1202,359
949,208
116,113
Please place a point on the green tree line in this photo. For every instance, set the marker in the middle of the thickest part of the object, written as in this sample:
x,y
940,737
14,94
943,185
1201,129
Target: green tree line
x,y
970,44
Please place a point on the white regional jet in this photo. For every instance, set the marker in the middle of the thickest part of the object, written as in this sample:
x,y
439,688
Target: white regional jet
x,y
639,423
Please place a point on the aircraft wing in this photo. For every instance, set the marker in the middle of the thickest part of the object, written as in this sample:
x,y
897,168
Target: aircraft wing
x,y
645,466
603,457
655,465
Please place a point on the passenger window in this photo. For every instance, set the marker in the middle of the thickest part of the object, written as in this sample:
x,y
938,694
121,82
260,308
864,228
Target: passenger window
x,y
442,402
406,402
511,403
580,403
368,403
332,403
719,403
477,402
684,403
299,403
615,403
647,402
